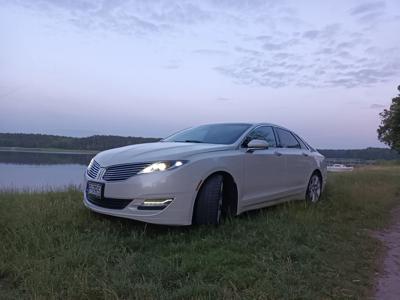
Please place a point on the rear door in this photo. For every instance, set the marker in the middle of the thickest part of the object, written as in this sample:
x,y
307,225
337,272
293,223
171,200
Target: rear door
x,y
264,170
298,160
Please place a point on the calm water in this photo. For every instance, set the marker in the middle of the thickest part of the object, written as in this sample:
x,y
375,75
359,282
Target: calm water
x,y
37,171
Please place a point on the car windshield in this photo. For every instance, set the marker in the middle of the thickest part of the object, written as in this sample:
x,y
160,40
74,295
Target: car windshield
x,y
211,134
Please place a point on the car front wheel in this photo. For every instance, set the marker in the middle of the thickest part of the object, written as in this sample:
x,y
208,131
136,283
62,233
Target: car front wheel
x,y
208,204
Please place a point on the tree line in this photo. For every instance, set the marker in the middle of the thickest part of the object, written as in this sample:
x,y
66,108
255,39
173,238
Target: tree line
x,y
103,142
95,142
363,154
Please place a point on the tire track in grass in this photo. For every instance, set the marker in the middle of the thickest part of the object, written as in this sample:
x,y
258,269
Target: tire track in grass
x,y
388,281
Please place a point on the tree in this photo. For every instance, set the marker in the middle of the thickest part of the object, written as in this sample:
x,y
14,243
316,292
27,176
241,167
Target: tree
x,y
389,130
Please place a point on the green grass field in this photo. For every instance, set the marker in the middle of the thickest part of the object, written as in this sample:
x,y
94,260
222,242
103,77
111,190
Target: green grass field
x,y
52,247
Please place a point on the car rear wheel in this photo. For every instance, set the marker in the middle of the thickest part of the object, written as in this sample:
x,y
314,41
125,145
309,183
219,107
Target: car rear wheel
x,y
208,205
314,188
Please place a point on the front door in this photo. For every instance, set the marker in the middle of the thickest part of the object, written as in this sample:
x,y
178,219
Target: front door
x,y
264,170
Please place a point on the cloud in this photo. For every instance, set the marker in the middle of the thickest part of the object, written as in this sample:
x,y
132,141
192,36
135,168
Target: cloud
x,y
327,67
282,56
371,17
76,5
274,46
180,13
346,45
326,33
247,51
327,56
369,13
264,43
329,31
367,8
130,24
311,34
264,37
123,16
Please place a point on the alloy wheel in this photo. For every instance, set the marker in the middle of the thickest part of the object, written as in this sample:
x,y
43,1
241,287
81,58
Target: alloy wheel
x,y
314,189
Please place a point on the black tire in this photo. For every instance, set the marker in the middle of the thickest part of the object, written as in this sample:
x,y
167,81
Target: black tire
x,y
314,188
208,204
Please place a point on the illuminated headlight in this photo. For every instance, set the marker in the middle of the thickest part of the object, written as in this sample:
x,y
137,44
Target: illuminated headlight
x,y
162,166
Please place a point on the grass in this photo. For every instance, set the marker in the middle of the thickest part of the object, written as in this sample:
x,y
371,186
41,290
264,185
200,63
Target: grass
x,y
52,247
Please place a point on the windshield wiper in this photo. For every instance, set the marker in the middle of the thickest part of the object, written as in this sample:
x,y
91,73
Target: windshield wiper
x,y
189,141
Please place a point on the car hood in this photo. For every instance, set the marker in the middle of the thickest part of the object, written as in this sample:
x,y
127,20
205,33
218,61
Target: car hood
x,y
155,152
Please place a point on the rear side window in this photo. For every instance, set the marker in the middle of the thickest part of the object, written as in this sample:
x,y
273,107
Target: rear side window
x,y
261,133
286,138
302,143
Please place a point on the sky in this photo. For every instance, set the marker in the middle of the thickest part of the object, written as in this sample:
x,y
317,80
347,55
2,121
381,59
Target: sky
x,y
324,69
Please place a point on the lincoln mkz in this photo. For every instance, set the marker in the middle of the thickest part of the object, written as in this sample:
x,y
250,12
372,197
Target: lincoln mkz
x,y
200,174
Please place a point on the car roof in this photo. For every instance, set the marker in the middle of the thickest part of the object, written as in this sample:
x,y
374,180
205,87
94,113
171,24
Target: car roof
x,y
270,124
243,123
249,124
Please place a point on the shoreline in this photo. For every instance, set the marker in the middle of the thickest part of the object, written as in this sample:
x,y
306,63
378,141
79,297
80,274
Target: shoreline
x,y
48,150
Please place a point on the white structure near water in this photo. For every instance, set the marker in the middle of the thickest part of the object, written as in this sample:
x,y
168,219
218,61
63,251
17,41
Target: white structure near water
x,y
339,168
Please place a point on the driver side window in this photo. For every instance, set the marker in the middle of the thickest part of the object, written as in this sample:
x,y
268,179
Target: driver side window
x,y
265,133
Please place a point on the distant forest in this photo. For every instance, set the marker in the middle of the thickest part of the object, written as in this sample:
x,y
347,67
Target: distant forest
x,y
95,142
363,154
102,142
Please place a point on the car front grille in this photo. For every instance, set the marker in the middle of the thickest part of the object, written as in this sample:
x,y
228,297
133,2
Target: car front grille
x,y
111,203
93,170
122,172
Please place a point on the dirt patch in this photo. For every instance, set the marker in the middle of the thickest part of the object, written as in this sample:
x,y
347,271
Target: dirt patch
x,y
388,279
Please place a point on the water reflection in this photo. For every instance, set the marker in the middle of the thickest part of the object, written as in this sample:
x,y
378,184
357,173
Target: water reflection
x,y
41,171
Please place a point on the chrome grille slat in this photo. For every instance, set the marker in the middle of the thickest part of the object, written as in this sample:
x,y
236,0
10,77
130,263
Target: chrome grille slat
x,y
135,166
93,170
123,172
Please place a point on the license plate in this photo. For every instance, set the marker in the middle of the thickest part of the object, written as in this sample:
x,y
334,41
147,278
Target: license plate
x,y
94,189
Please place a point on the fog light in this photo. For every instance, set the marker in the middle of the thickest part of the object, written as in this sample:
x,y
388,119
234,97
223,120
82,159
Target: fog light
x,y
155,204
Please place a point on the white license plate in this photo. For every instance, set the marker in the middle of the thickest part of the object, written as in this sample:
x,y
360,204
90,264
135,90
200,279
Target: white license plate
x,y
94,189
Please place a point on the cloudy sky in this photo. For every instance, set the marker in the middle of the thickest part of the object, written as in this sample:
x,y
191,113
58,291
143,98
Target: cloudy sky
x,y
148,68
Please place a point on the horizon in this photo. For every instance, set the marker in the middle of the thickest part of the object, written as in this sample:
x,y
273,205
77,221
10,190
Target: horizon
x,y
151,68
152,137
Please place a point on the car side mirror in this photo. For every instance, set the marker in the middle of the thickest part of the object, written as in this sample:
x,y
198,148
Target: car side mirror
x,y
257,145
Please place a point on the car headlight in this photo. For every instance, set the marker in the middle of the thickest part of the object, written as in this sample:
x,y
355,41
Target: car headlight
x,y
162,166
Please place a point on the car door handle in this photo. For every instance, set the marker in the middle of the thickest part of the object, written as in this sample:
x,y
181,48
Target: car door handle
x,y
277,153
305,154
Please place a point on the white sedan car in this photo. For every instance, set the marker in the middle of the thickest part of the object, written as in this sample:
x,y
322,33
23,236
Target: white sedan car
x,y
201,173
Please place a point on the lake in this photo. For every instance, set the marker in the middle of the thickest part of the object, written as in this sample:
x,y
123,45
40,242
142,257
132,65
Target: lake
x,y
41,171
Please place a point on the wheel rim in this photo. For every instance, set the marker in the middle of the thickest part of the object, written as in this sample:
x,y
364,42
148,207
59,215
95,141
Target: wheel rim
x,y
314,188
220,201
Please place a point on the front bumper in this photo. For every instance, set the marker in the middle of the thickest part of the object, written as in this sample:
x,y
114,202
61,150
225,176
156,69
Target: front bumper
x,y
132,192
